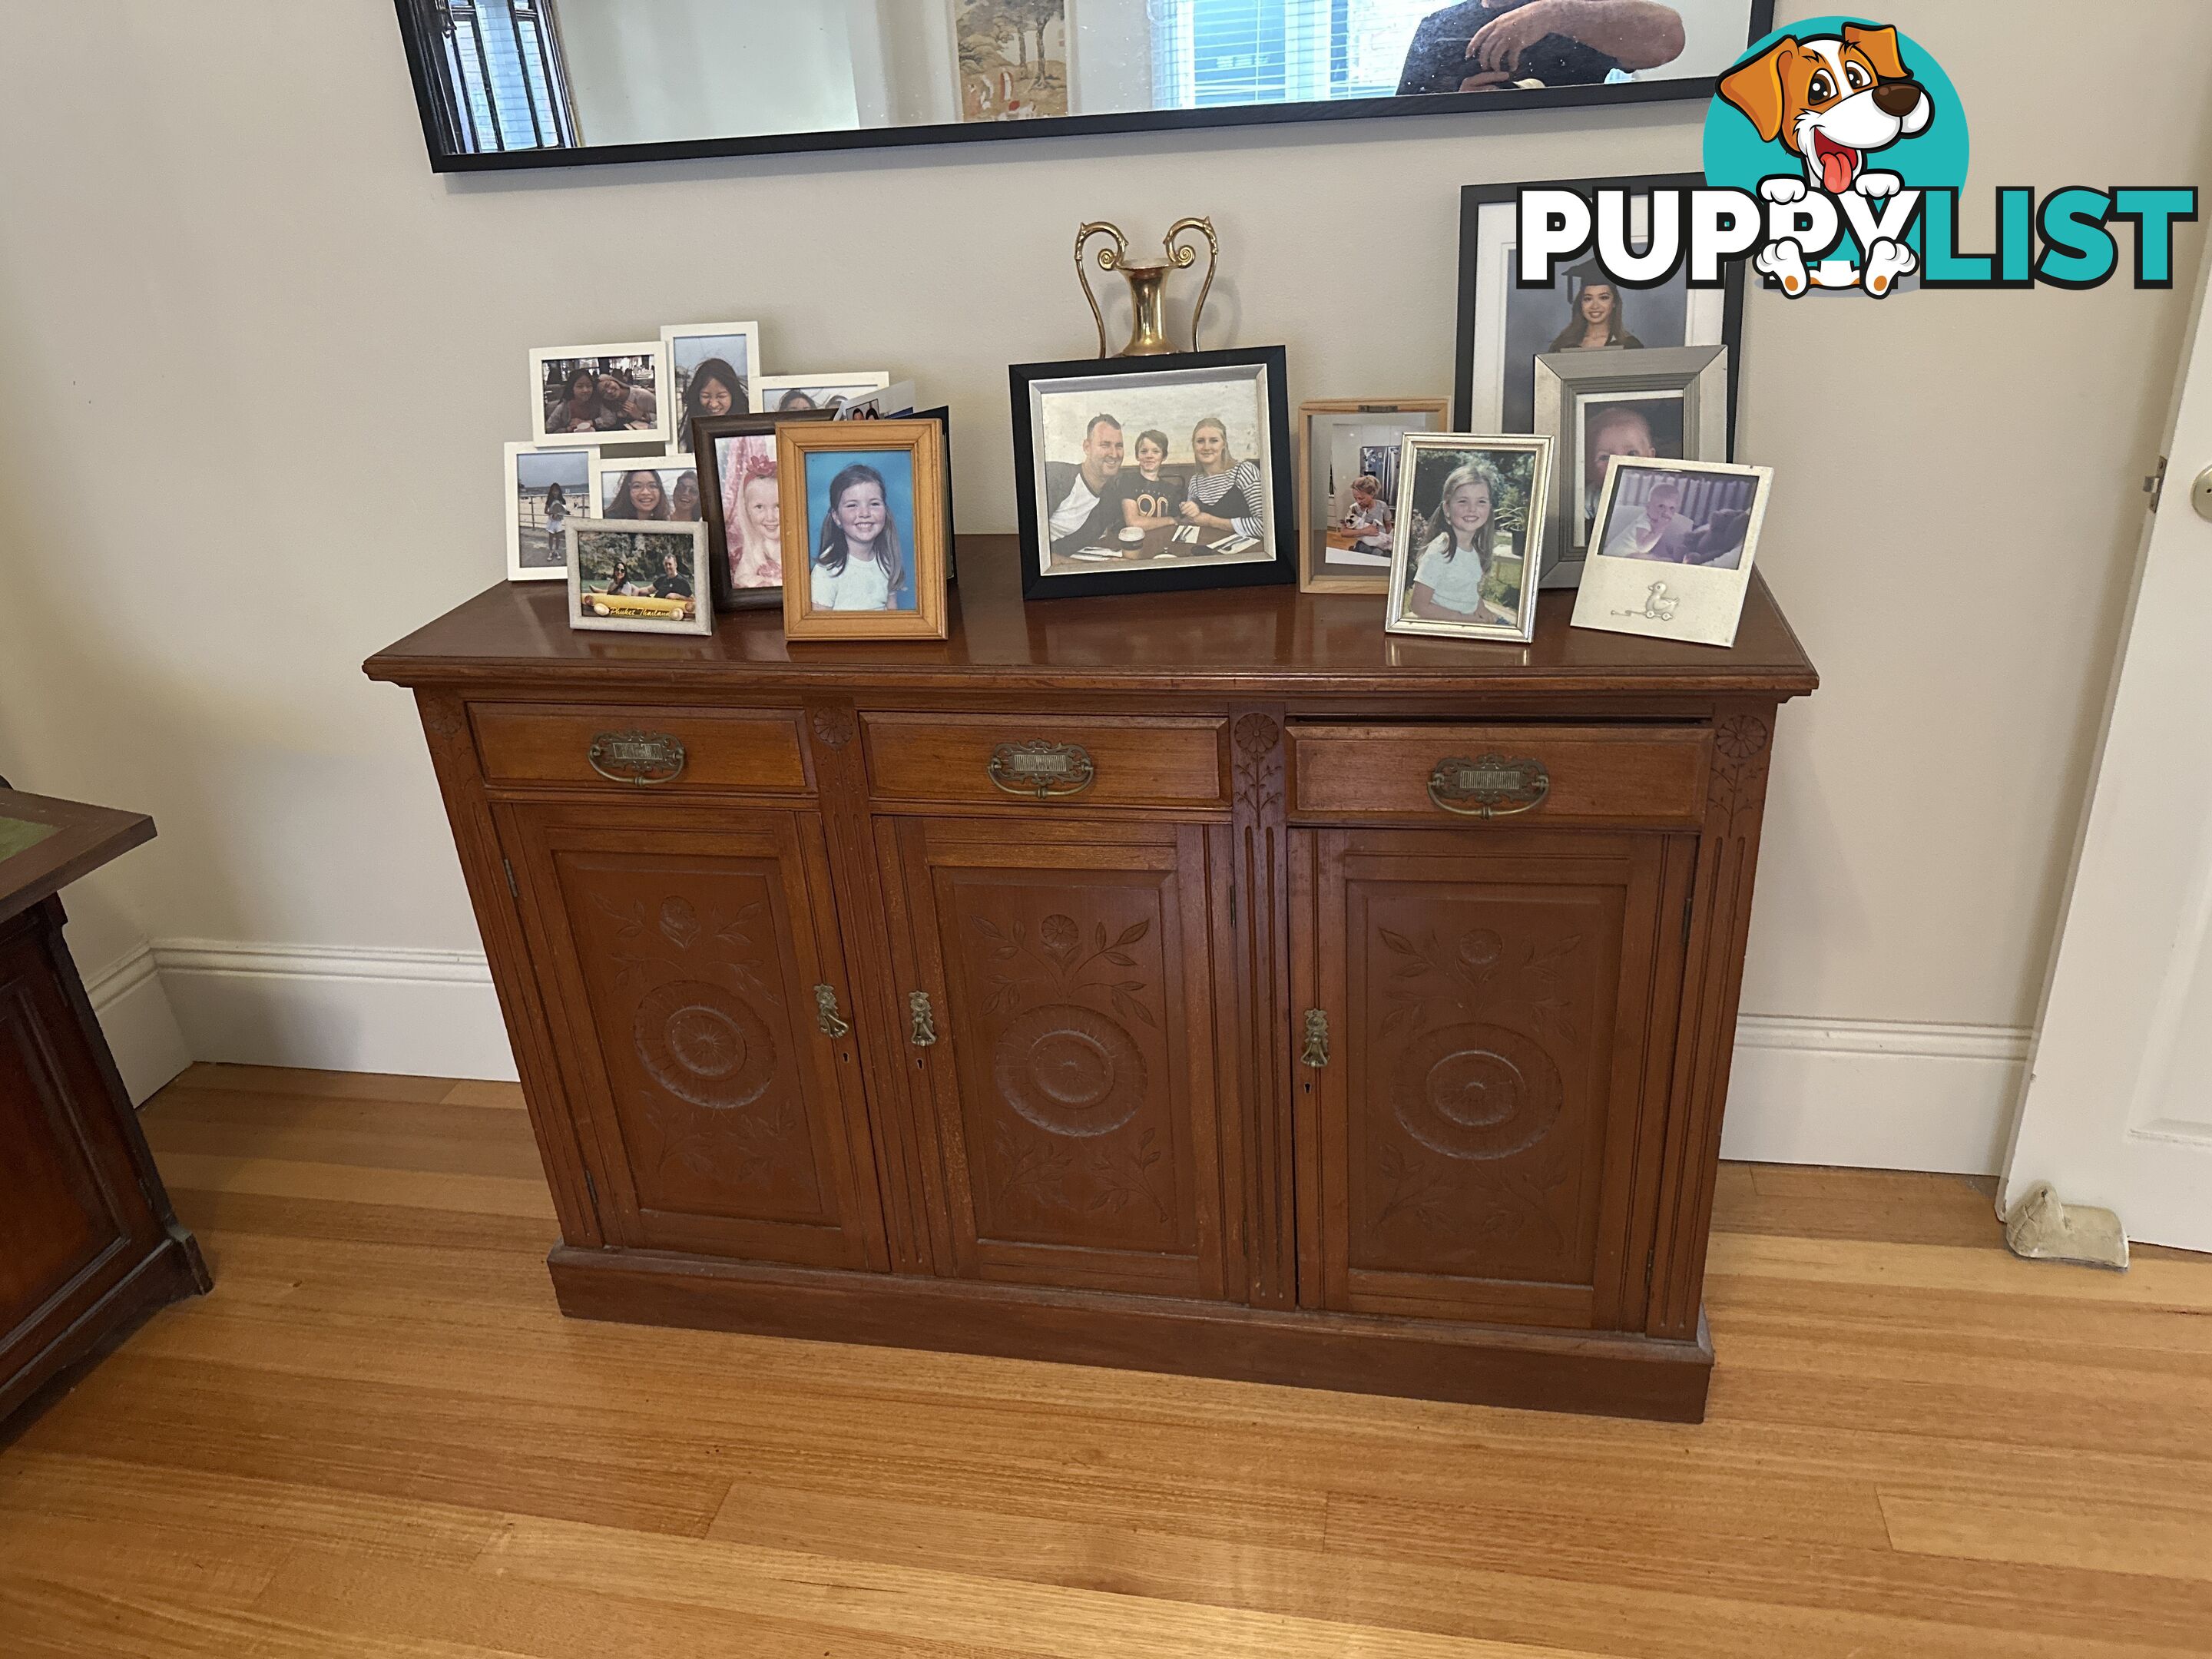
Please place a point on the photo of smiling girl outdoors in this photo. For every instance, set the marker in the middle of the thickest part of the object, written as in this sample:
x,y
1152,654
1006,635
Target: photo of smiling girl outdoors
x,y
1466,537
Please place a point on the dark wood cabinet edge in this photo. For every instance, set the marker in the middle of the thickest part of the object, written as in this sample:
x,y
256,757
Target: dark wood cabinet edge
x,y
1616,1374
172,1272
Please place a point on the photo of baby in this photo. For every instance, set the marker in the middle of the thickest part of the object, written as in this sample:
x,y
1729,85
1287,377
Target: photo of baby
x,y
1469,523
861,506
1674,516
1640,425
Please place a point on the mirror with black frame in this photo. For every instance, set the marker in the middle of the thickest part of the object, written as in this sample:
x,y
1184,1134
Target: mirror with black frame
x,y
506,83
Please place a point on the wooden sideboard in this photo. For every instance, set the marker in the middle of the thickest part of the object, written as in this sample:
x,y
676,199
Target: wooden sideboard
x,y
1131,981
89,1244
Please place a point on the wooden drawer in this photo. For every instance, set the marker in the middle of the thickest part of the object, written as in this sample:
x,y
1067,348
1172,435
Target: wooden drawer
x,y
756,751
1134,761
1621,775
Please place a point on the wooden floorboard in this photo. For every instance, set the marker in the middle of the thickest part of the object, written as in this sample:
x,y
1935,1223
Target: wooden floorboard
x,y
377,1438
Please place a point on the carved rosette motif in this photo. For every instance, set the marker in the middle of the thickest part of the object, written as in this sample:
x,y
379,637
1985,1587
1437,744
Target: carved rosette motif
x,y
443,717
1472,1084
1070,1070
703,1045
834,727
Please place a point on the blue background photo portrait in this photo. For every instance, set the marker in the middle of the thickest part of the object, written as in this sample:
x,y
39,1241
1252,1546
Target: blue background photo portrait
x,y
896,466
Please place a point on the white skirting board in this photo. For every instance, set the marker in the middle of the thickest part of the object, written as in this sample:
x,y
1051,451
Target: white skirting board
x,y
134,1012
1864,1093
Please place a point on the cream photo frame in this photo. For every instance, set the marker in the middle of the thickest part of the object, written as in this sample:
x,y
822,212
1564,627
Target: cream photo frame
x,y
652,351
1685,578
770,390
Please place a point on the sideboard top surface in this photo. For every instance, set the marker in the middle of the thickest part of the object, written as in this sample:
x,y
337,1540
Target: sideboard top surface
x,y
1269,641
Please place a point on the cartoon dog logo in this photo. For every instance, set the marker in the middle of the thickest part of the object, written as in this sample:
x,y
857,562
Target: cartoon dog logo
x,y
1832,100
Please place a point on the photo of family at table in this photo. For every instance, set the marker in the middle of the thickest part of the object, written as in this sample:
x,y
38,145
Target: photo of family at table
x,y
1169,475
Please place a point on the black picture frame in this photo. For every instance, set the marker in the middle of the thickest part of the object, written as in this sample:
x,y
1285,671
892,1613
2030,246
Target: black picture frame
x,y
705,432
1283,507
1474,197
441,121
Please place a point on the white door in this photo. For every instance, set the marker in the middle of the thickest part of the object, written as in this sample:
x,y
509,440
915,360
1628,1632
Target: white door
x,y
2119,1106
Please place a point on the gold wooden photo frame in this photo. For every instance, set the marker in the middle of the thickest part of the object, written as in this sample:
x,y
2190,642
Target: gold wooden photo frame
x,y
1333,541
864,529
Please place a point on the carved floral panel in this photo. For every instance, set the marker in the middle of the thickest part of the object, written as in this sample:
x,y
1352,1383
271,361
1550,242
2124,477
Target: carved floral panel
x,y
1065,1017
1480,1036
699,1028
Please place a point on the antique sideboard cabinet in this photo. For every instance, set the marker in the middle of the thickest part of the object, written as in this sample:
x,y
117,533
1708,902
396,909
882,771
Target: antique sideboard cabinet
x,y
1204,982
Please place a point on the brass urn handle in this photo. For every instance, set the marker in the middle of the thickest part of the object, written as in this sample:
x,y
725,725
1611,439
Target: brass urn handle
x,y
1316,1054
1183,258
825,1011
1041,768
925,1019
1489,786
639,757
1109,259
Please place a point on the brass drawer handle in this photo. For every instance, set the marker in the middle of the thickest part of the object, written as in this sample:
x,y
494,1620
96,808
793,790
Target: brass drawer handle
x,y
825,1011
1316,1054
1489,786
925,1019
639,757
1041,769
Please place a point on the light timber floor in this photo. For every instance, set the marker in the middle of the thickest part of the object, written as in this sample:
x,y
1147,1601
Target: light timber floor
x,y
377,1437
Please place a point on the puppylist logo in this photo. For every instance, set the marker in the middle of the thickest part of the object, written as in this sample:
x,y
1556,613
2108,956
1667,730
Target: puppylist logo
x,y
1835,156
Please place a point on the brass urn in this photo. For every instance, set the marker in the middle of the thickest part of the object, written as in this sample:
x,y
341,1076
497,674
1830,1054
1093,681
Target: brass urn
x,y
1148,282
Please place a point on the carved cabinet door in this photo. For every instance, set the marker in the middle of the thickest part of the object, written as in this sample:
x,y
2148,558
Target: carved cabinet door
x,y
1064,1064
684,957
1484,1070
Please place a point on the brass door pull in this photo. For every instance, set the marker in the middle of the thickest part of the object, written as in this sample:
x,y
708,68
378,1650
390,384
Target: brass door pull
x,y
1041,769
825,1011
925,1019
1489,786
1316,1054
639,757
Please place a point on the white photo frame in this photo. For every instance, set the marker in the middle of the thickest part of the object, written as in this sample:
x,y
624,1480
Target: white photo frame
x,y
631,354
770,390
1515,472
1685,577
580,494
699,342
606,469
593,543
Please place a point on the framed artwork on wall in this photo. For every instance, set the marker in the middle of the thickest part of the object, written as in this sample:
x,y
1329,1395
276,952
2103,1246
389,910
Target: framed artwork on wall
x,y
1137,475
1012,57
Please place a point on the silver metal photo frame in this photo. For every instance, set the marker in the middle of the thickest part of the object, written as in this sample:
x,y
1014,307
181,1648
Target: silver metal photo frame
x,y
1686,389
1458,577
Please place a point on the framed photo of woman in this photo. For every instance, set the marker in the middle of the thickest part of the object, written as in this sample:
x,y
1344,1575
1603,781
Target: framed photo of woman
x,y
803,394
545,488
864,521
594,394
1348,451
663,488
1469,537
1147,474
711,368
1504,328
738,488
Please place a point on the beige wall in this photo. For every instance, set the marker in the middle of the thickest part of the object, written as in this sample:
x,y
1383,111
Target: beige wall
x,y
260,362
